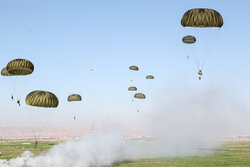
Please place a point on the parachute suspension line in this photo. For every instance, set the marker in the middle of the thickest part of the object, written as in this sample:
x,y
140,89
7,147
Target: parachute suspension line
x,y
203,19
210,47
132,99
37,136
138,105
197,62
17,68
72,99
213,36
31,118
201,45
189,53
10,90
74,111
39,121
51,116
14,87
37,115
26,84
130,94
202,57
47,121
34,128
42,99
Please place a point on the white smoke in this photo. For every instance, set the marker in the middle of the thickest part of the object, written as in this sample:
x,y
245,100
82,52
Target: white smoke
x,y
93,150
184,122
97,151
212,112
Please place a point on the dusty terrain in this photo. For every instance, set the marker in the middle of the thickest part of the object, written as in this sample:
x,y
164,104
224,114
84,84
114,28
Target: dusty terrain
x,y
43,133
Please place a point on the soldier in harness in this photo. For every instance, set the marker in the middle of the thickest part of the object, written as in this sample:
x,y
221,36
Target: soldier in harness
x,y
35,144
12,97
200,74
18,102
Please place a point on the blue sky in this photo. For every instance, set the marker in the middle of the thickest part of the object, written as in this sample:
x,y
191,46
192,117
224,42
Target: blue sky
x,y
65,39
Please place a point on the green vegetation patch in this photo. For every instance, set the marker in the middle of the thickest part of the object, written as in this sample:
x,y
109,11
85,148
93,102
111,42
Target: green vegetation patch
x,y
232,154
14,149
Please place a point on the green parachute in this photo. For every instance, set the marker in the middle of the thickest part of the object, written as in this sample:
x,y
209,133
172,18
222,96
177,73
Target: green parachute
x,y
74,97
139,96
40,98
202,17
132,88
189,39
20,67
5,72
150,77
134,68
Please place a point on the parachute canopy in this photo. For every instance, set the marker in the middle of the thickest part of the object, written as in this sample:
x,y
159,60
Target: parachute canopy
x,y
135,68
74,97
189,39
202,17
132,88
150,77
139,96
40,98
20,67
5,72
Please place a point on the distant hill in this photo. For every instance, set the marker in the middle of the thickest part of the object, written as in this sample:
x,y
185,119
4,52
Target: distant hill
x,y
43,133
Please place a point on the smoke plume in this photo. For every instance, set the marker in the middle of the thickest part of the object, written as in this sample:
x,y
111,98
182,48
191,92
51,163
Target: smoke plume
x,y
183,122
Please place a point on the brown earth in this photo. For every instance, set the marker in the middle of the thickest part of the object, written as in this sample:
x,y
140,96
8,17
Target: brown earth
x,y
43,133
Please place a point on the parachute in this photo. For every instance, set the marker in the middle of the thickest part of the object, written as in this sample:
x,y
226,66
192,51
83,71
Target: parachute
x,y
17,67
74,97
203,24
40,98
202,17
134,68
139,96
150,77
189,39
5,72
132,88
43,99
20,67
137,103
